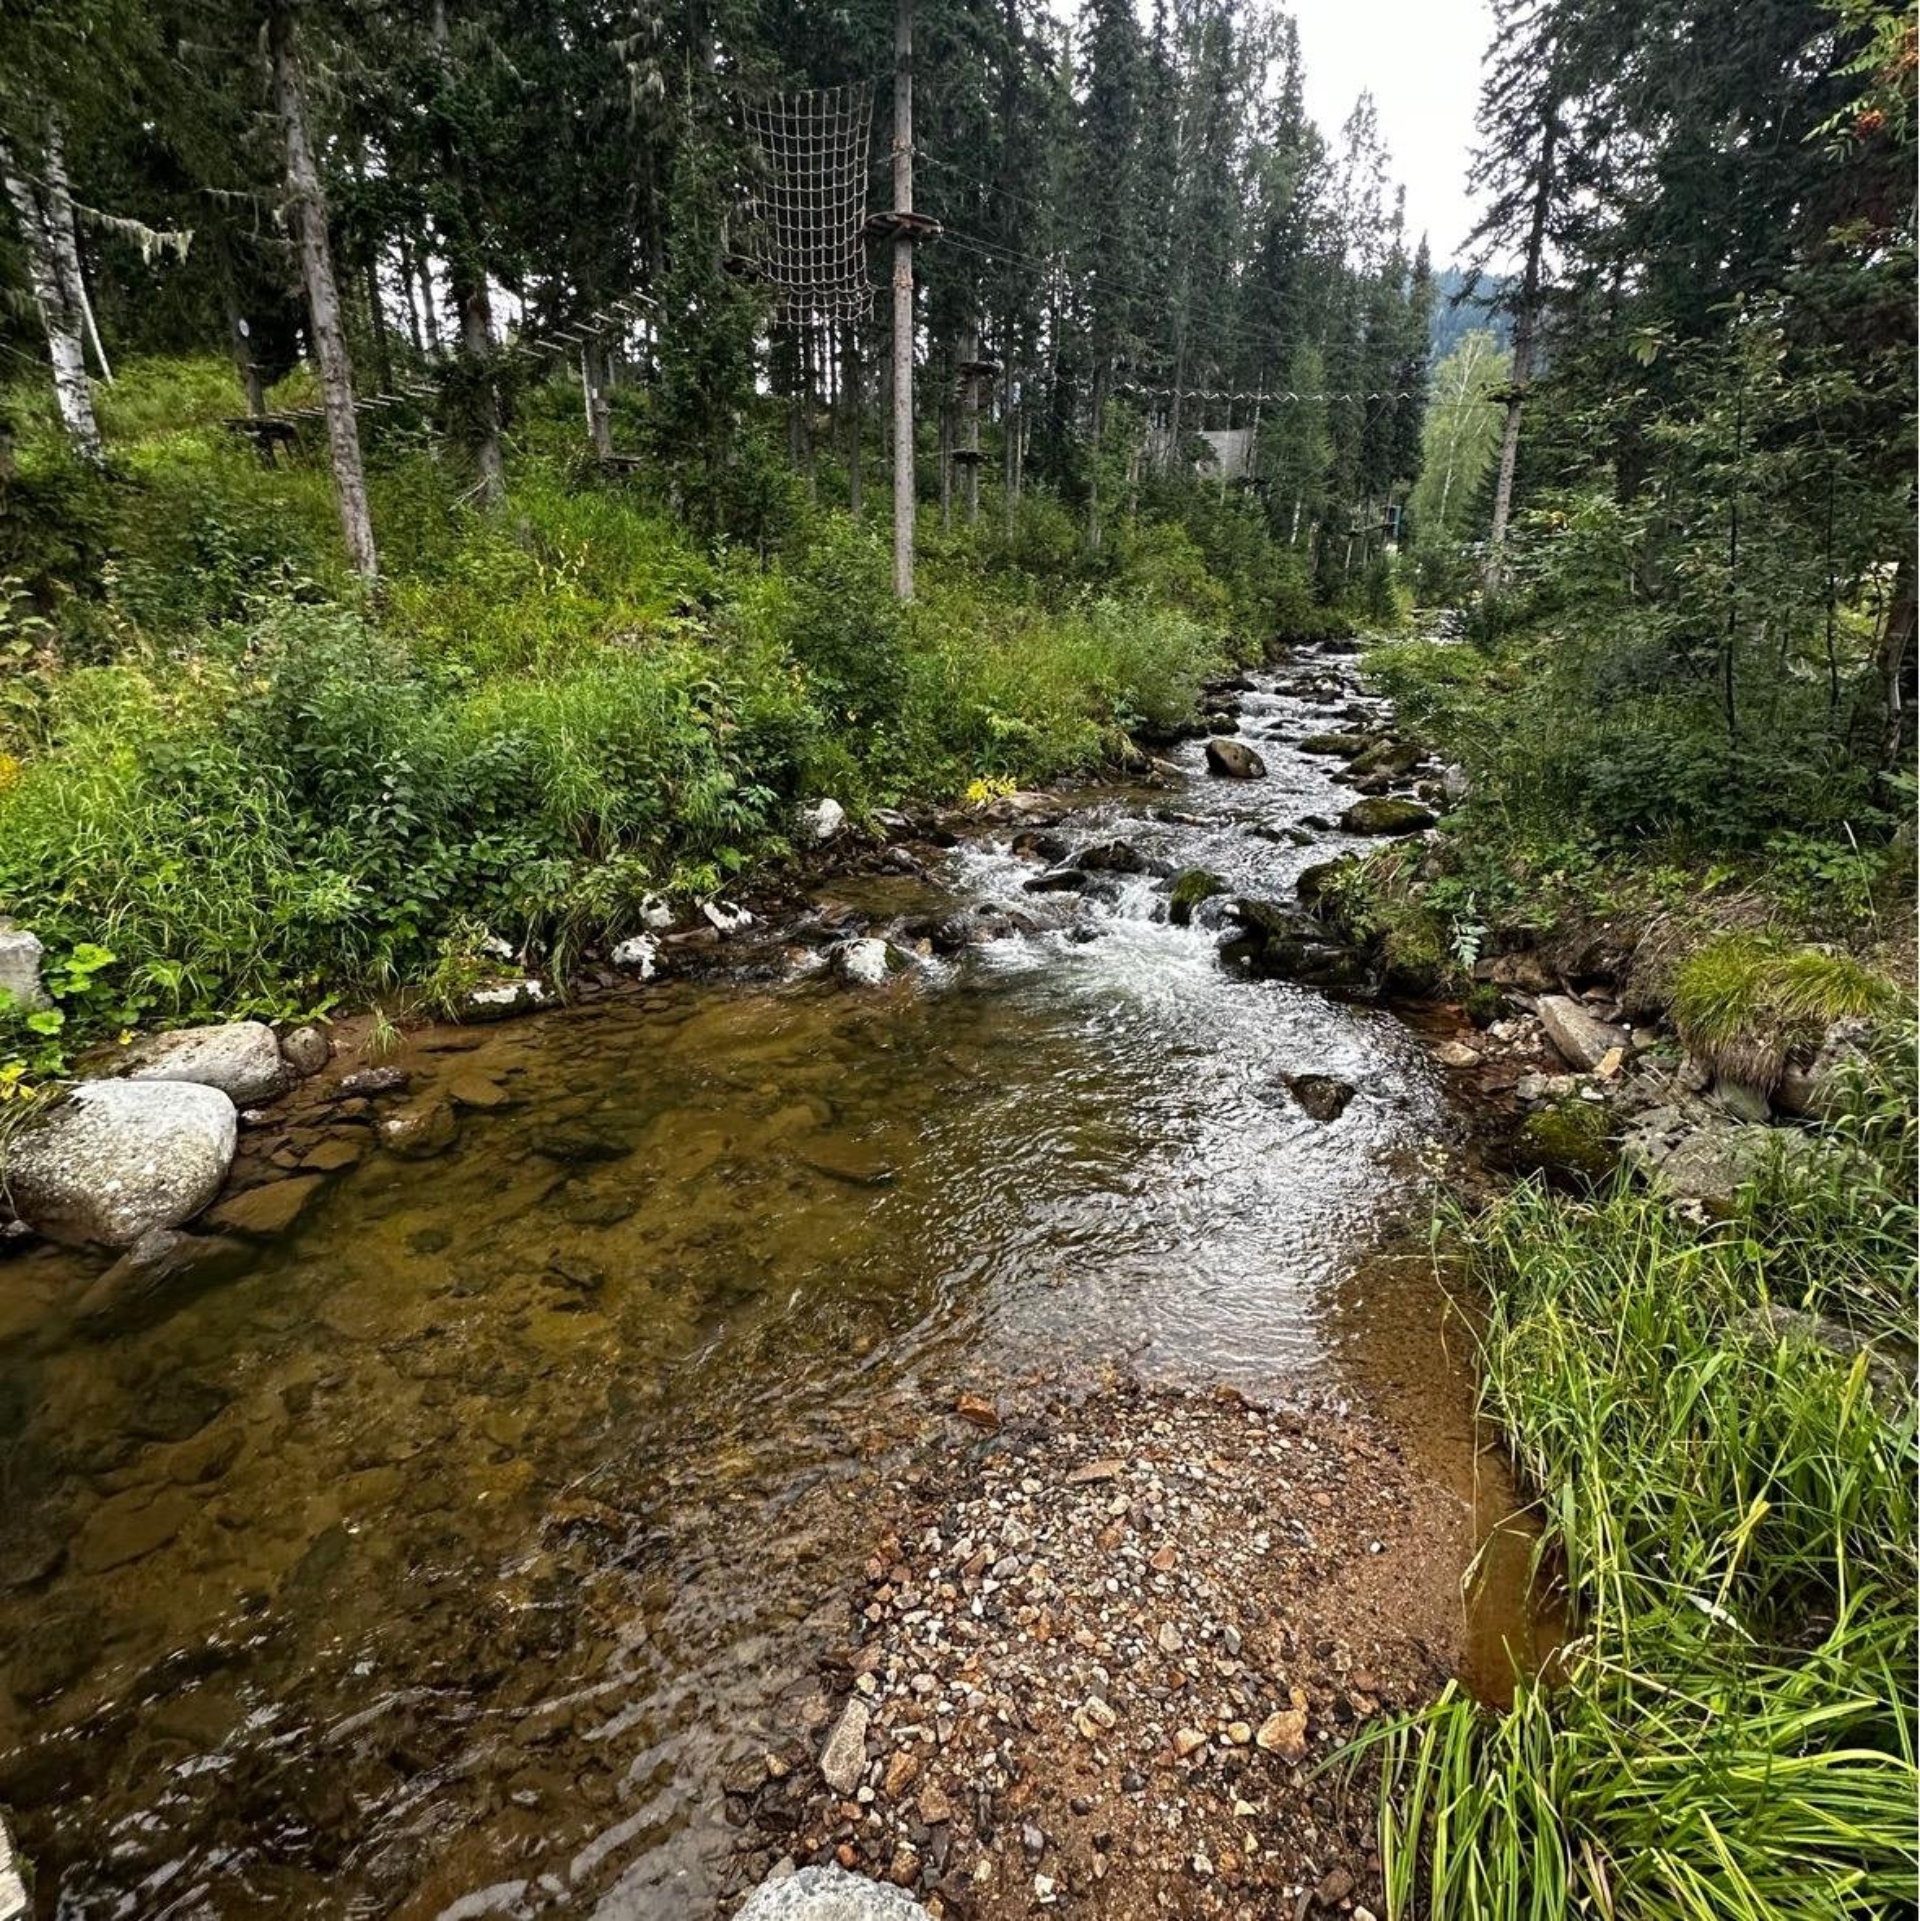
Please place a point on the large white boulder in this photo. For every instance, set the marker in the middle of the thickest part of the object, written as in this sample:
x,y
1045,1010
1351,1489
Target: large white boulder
x,y
20,954
116,1158
829,1894
241,1058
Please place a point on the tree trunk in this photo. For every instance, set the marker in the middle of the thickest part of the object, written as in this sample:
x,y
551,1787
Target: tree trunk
x,y
1896,663
406,289
59,314
1093,468
1524,320
467,286
377,316
307,209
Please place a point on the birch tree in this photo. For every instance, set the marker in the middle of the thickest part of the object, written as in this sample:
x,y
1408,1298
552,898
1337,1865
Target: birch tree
x,y
307,213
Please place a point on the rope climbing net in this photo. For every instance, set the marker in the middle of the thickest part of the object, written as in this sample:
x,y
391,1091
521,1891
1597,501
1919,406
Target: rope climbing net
x,y
810,196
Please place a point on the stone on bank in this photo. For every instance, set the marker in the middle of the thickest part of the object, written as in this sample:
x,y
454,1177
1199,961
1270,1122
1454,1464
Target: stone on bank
x,y
241,1058
118,1158
828,1894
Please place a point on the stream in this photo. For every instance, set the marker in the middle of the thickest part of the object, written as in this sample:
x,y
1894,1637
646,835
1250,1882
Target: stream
x,y
442,1562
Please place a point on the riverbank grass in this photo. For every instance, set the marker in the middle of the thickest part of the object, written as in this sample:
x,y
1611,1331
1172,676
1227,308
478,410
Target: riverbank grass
x,y
1730,1506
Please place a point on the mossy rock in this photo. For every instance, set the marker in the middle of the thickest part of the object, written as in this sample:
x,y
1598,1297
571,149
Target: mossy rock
x,y
1388,757
1386,815
1341,745
1193,886
1568,1141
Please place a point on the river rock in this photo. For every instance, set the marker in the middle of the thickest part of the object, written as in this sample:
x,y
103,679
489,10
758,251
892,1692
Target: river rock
x,y
828,1894
306,1050
820,820
1283,943
1337,746
1113,857
870,962
1392,757
20,983
1193,887
1037,844
16,1904
129,1527
844,1758
1385,815
419,1130
1234,760
637,955
161,1268
1813,1089
501,1000
116,1158
725,918
241,1058
1057,880
269,1209
1580,1040
1690,1155
1323,1097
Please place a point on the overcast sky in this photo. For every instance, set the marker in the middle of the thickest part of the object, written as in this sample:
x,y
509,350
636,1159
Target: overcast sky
x,y
1421,61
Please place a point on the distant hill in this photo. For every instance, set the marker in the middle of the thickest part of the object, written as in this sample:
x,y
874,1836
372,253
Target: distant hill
x,y
1450,323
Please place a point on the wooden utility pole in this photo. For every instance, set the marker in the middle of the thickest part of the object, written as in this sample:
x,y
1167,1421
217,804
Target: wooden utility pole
x,y
903,475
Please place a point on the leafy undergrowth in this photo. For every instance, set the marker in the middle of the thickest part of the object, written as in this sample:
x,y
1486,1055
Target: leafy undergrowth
x,y
1731,1507
259,789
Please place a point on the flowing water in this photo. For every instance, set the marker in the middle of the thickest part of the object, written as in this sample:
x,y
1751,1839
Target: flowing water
x,y
444,1561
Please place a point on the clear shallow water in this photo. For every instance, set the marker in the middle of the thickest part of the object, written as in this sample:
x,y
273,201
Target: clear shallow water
x,y
445,1562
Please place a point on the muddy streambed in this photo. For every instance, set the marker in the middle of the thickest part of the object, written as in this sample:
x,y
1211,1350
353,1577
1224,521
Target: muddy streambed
x,y
443,1562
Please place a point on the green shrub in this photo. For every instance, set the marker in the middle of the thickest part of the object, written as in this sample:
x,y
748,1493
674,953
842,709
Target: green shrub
x,y
1744,1001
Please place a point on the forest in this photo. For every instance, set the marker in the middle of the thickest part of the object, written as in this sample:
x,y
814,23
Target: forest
x,y
456,460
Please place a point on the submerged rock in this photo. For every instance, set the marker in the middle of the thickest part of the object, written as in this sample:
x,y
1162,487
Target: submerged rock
x,y
160,1268
267,1210
1385,815
1323,1097
1234,760
117,1158
241,1058
418,1131
828,1894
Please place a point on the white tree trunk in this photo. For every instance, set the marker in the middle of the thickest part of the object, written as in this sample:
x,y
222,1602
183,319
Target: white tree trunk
x,y
307,208
60,314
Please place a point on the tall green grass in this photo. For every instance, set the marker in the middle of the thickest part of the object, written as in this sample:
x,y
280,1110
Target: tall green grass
x,y
263,788
1731,1510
